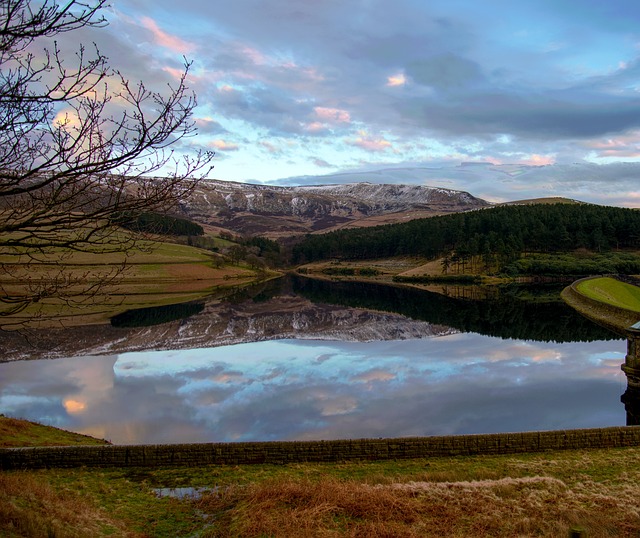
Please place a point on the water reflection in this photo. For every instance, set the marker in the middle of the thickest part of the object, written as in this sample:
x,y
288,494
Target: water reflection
x,y
307,309
514,311
389,375
146,317
461,383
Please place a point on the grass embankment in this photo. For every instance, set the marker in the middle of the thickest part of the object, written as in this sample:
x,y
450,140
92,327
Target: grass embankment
x,y
605,300
158,274
525,495
16,432
612,292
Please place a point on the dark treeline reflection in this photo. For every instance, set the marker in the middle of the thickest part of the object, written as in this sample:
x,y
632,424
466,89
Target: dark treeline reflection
x,y
145,317
520,312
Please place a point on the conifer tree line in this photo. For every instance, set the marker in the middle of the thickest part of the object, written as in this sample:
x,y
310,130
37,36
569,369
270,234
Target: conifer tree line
x,y
497,236
158,223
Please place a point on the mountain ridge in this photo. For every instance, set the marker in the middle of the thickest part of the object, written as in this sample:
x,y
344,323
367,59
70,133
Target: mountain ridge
x,y
275,210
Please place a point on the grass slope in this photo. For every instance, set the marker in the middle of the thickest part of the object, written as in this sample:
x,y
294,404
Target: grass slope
x,y
612,292
16,432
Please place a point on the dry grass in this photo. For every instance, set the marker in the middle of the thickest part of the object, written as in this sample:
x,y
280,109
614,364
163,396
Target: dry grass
x,y
530,506
386,267
433,267
30,508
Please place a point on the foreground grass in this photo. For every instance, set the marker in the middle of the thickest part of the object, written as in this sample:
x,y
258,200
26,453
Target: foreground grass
x,y
613,292
525,495
545,494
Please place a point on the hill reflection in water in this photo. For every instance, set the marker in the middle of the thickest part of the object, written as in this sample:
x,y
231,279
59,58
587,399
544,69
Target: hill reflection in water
x,y
522,361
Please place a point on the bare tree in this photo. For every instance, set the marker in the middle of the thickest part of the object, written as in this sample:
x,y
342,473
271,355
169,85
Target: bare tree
x,y
79,145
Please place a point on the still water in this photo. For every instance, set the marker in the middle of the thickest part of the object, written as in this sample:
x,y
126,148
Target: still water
x,y
448,380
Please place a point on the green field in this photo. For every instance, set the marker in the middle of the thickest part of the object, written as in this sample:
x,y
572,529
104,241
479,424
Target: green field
x,y
612,292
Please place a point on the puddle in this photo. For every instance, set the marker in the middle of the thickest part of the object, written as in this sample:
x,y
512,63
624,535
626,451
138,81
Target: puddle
x,y
183,493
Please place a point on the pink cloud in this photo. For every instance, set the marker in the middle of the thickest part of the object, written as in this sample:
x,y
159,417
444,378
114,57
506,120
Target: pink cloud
x,y
221,145
255,55
175,73
166,40
321,163
367,142
272,68
622,146
396,80
377,374
315,127
271,148
311,73
537,160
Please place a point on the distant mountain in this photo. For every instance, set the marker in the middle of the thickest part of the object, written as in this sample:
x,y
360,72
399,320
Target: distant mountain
x,y
502,182
279,211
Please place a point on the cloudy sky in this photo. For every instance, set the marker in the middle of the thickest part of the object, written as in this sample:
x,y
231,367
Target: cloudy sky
x,y
292,88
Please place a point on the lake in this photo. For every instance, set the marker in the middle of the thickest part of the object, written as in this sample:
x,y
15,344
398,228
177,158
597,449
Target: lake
x,y
302,359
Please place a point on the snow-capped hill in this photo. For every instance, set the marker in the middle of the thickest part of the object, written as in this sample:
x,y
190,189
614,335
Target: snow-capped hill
x,y
411,195
276,210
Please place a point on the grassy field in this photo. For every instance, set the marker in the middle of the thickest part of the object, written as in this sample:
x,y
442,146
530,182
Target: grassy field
x,y
524,495
613,292
157,274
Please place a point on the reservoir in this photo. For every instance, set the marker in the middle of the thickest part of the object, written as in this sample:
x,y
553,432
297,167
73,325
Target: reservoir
x,y
299,359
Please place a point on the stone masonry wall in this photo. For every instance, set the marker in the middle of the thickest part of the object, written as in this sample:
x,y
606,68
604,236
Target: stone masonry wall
x,y
315,451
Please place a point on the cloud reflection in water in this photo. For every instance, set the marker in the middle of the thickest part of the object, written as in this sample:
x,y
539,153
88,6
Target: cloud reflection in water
x,y
289,389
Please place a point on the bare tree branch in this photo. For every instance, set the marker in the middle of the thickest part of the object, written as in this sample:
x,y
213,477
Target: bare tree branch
x,y
80,144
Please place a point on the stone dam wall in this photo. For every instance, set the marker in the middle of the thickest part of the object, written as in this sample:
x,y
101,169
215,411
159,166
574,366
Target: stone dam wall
x,y
315,451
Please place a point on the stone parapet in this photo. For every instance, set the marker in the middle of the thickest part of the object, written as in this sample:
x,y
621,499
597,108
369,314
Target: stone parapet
x,y
315,451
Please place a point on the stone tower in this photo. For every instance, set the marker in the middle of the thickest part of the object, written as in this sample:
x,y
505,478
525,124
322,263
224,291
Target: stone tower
x,y
631,368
